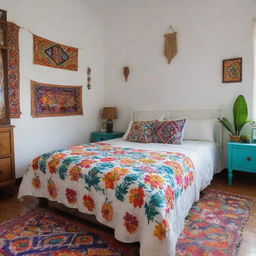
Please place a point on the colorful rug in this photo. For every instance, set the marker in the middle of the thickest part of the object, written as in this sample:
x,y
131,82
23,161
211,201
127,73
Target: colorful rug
x,y
213,227
46,233
13,69
51,54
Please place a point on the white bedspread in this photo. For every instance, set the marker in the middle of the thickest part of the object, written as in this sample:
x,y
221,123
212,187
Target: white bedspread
x,y
207,160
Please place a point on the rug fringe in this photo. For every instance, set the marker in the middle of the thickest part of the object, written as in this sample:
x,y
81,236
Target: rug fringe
x,y
242,229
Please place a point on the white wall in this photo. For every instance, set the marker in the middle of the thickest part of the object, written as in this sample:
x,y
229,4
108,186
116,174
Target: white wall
x,y
208,32
132,34
254,91
74,23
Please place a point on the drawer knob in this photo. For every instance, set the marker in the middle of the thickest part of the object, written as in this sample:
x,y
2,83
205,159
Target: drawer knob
x,y
249,158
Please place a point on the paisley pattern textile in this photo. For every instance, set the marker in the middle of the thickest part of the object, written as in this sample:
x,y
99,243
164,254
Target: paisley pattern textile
x,y
170,132
214,225
44,233
132,190
141,131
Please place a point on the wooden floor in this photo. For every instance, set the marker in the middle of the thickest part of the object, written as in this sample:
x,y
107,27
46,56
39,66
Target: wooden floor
x,y
243,184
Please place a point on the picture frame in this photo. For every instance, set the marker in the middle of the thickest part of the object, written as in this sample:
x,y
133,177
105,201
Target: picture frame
x,y
232,70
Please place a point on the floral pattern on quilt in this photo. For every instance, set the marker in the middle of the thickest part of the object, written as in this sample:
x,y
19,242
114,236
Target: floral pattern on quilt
x,y
138,186
141,131
169,132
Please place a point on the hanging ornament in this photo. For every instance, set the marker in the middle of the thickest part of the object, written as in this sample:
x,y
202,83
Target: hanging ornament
x,y
126,72
89,78
170,45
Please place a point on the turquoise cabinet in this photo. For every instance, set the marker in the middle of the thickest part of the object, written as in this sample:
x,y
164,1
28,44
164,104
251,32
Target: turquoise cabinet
x,y
241,157
100,136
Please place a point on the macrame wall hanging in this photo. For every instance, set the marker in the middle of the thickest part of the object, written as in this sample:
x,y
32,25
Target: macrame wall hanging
x,y
170,44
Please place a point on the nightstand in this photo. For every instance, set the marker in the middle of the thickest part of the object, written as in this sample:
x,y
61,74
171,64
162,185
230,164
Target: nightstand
x,y
100,136
241,157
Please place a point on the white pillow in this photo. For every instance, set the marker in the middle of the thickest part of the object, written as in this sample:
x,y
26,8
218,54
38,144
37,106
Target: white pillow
x,y
199,129
160,118
128,130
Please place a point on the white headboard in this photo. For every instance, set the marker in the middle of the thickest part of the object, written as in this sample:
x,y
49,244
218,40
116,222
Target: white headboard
x,y
200,114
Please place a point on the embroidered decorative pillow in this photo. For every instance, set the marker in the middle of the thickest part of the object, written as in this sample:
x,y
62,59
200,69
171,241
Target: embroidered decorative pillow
x,y
141,131
169,132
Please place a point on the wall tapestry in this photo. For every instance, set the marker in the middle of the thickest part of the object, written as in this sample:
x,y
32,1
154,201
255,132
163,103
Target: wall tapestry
x,y
232,70
13,69
170,44
51,54
2,94
55,100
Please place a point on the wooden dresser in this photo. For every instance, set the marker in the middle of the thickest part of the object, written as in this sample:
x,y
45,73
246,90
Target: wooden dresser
x,y
7,170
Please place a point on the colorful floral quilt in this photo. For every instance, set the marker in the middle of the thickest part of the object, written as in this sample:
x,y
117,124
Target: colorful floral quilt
x,y
132,190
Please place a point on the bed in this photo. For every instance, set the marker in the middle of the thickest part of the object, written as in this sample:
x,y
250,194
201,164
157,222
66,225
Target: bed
x,y
142,191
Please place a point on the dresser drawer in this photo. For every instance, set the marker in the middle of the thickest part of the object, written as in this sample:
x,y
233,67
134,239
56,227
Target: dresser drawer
x,y
244,159
5,143
5,169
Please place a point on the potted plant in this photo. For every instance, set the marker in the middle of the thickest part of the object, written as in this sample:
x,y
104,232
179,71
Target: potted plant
x,y
240,114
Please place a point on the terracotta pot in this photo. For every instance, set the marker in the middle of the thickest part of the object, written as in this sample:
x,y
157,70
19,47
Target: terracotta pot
x,y
234,138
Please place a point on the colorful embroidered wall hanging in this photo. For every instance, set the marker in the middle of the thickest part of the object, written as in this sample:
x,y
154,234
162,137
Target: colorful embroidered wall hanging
x,y
51,54
55,100
13,69
2,94
232,70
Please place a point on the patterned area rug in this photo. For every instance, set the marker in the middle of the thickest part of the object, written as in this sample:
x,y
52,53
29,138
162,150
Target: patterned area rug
x,y
213,227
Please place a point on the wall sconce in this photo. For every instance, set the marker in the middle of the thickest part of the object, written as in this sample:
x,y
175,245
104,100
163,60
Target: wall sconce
x,y
126,72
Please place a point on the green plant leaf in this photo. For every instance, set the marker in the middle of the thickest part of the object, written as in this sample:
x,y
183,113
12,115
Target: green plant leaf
x,y
246,122
227,124
240,113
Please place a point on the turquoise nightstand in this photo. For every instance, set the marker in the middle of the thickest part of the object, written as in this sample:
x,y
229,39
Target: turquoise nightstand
x,y
100,136
241,157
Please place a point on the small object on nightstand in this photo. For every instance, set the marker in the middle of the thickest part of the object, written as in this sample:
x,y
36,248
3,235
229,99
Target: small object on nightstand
x,y
241,157
254,132
101,136
109,113
103,126
245,138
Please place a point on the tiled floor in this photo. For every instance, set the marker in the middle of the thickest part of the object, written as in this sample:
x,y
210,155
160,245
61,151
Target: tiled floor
x,y
243,184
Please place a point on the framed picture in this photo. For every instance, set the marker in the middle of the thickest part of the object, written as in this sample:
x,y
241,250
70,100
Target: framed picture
x,y
232,70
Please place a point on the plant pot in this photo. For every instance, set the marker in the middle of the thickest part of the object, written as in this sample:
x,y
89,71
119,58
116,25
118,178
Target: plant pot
x,y
234,138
